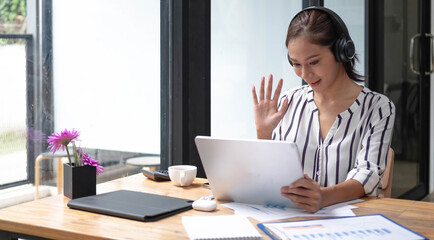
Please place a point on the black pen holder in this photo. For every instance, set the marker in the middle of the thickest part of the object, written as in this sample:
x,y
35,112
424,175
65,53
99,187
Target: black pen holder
x,y
79,181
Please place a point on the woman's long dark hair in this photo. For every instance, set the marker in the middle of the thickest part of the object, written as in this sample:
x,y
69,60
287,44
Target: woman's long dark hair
x,y
319,28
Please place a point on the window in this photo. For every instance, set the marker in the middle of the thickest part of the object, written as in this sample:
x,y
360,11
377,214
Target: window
x,y
106,73
106,78
15,81
96,68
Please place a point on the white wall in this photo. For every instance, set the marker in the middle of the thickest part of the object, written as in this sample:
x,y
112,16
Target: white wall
x,y
353,14
247,42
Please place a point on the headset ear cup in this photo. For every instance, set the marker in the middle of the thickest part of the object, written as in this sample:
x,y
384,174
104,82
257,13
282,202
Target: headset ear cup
x,y
339,49
344,49
350,50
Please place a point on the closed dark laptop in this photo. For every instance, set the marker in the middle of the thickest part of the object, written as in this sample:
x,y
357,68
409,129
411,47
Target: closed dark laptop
x,y
130,204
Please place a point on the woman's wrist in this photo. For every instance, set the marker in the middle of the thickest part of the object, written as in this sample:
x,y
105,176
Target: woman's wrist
x,y
327,197
264,134
342,192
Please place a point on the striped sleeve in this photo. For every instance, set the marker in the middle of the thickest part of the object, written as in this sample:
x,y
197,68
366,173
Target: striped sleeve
x,y
374,145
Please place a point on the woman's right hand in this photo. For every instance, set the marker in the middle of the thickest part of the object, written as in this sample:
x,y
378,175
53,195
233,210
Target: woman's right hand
x,y
267,116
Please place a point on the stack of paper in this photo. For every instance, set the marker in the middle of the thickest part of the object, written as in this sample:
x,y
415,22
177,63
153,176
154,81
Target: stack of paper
x,y
219,227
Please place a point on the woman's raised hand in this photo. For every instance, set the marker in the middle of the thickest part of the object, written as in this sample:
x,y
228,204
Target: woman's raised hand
x,y
267,116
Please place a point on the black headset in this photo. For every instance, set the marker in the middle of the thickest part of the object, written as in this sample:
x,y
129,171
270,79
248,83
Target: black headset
x,y
343,48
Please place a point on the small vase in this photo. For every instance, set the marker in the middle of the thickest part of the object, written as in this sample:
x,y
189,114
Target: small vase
x,y
79,181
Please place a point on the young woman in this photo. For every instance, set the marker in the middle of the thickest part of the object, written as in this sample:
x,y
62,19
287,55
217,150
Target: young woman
x,y
343,130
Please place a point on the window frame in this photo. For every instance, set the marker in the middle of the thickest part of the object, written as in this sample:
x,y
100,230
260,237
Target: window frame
x,y
185,80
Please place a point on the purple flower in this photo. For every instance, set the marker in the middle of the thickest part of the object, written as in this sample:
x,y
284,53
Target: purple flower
x,y
62,140
81,158
87,160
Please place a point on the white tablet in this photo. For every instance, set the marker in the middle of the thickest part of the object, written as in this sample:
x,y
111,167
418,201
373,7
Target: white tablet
x,y
249,171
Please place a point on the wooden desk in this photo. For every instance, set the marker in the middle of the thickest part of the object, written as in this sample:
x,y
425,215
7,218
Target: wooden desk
x,y
51,218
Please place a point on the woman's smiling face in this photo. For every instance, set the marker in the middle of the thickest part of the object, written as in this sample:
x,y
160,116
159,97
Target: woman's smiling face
x,y
315,64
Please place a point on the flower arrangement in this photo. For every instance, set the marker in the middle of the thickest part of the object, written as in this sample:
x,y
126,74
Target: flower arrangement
x,y
62,140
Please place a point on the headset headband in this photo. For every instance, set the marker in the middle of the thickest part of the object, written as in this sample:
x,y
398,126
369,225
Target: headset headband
x,y
343,48
334,16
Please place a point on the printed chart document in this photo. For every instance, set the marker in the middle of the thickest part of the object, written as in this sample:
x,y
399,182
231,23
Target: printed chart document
x,y
270,213
220,227
360,227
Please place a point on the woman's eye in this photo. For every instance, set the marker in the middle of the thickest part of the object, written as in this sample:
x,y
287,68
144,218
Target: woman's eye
x,y
314,62
296,64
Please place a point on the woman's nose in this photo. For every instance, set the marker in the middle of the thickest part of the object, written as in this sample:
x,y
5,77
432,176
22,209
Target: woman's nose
x,y
305,72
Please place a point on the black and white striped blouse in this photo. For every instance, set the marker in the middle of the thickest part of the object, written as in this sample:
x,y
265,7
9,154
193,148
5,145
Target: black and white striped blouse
x,y
356,145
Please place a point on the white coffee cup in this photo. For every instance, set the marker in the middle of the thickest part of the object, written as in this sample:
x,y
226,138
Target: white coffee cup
x,y
182,175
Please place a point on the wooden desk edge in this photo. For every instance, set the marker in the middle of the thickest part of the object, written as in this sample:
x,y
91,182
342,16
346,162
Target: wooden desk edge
x,y
405,212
